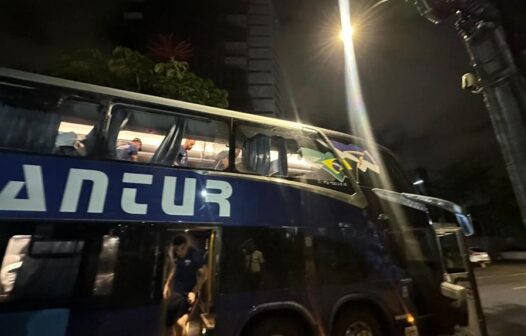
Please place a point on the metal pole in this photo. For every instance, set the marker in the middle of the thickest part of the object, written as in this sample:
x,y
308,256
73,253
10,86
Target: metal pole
x,y
498,79
503,90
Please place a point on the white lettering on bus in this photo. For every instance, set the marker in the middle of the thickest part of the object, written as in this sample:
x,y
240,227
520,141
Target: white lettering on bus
x,y
34,184
168,198
128,198
216,191
220,198
75,181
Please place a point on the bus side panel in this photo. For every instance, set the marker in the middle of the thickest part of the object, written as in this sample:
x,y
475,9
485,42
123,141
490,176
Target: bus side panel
x,y
137,321
48,322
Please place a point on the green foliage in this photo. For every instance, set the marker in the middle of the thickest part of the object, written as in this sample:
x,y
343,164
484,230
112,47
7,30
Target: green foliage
x,y
130,70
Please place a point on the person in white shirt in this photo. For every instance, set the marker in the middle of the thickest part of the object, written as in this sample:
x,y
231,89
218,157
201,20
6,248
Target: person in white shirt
x,y
254,262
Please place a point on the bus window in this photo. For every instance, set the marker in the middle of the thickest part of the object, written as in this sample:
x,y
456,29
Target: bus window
x,y
36,270
172,140
106,267
43,122
136,135
262,258
210,149
77,134
339,255
28,118
452,253
293,154
369,171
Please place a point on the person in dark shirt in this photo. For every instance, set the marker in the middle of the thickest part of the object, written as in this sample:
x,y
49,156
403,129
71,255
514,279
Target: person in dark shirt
x,y
182,155
129,151
184,282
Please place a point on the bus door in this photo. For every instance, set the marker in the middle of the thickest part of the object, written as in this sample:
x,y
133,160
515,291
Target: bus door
x,y
459,280
203,246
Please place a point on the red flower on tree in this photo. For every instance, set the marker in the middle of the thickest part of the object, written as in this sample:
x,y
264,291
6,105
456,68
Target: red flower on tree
x,y
166,48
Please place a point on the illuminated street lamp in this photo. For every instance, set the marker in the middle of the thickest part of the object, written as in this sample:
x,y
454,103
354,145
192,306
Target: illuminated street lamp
x,y
346,33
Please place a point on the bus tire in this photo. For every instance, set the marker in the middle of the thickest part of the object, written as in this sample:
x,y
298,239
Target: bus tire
x,y
359,321
278,326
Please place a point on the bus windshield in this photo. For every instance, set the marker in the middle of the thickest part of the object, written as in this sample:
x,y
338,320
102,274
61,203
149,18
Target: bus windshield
x,y
369,171
297,155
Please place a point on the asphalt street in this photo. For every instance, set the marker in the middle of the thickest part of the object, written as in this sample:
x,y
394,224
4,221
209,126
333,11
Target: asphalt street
x,y
502,289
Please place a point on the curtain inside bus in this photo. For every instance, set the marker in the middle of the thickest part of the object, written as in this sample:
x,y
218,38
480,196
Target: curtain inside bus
x,y
258,158
27,126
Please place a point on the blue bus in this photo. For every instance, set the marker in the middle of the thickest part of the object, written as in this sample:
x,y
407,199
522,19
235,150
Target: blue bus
x,y
302,231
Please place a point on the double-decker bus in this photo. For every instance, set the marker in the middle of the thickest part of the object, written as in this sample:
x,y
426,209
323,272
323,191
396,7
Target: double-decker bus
x,y
86,231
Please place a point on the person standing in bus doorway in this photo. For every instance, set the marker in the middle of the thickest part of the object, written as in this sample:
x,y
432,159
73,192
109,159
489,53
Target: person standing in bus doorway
x,y
189,272
254,261
182,156
129,151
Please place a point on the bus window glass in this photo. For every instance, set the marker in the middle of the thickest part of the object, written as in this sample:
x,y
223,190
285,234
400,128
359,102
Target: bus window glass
x,y
209,150
43,122
369,171
338,255
106,267
262,259
293,154
135,135
168,139
77,134
451,253
40,270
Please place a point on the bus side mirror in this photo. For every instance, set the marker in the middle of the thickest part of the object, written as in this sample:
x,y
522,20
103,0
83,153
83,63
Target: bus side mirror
x,y
420,202
463,218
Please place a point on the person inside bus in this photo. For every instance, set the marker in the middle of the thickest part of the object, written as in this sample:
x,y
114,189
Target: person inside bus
x,y
181,159
221,162
189,273
254,261
67,143
129,151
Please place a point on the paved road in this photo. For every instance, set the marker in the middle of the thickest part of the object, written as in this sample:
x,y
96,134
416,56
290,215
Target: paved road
x,y
503,291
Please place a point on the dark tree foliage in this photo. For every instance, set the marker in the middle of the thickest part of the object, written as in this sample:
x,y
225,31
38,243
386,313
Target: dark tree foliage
x,y
130,70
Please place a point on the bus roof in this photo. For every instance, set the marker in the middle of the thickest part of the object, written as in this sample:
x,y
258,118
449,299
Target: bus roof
x,y
23,76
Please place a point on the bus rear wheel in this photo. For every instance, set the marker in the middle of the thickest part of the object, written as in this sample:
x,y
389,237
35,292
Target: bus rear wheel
x,y
357,323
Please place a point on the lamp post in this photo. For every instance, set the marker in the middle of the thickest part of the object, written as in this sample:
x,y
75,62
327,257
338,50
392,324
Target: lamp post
x,y
496,76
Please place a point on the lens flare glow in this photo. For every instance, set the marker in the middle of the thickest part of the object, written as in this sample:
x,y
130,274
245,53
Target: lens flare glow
x,y
359,120
346,34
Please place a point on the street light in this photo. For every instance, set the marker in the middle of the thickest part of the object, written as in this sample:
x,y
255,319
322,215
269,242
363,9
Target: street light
x,y
347,33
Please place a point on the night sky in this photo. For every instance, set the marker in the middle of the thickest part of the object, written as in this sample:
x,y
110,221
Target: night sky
x,y
410,69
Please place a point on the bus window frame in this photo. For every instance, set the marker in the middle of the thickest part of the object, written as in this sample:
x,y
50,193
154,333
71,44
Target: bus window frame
x,y
173,111
66,94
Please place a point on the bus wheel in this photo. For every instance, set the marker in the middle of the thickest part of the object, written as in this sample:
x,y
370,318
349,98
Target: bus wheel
x,y
357,323
278,326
